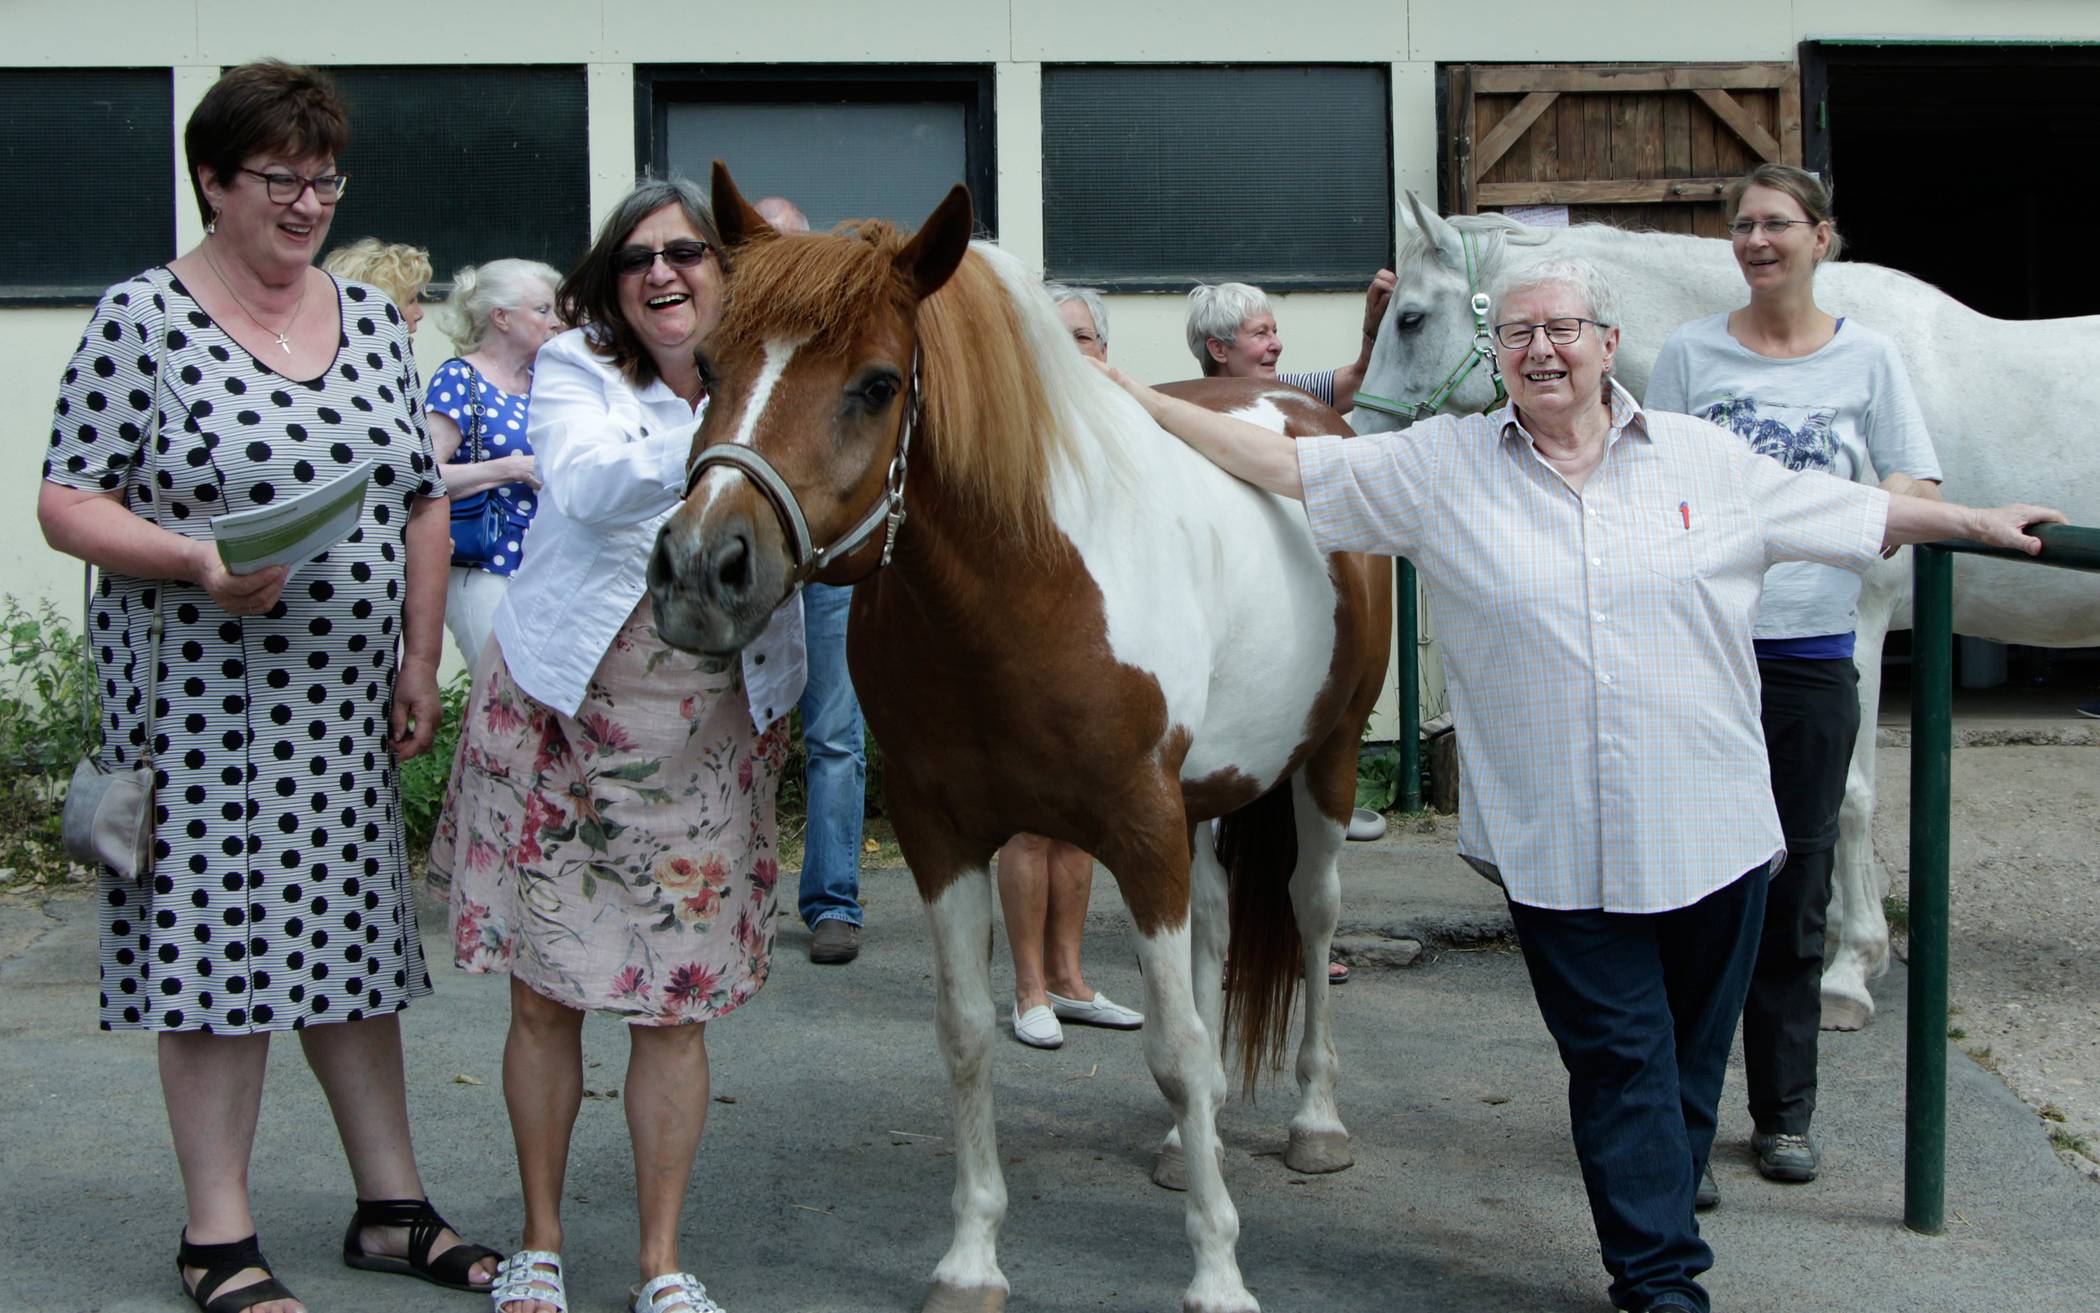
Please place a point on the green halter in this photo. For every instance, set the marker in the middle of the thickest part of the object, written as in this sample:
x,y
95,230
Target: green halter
x,y
1482,349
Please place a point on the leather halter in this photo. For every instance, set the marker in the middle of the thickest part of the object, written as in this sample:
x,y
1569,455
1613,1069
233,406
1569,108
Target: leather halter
x,y
1482,349
886,514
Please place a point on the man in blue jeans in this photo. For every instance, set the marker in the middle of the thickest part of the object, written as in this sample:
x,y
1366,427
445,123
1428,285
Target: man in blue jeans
x,y
835,774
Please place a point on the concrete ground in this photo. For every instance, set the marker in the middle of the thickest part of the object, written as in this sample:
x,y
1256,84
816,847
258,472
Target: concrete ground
x,y
824,1177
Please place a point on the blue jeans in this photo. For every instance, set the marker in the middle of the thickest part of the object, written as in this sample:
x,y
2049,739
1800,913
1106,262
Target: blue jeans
x,y
1643,1007
835,778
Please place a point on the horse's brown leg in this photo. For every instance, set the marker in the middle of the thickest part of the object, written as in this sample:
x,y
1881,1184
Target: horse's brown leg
x,y
968,1279
1208,910
1152,867
1318,1140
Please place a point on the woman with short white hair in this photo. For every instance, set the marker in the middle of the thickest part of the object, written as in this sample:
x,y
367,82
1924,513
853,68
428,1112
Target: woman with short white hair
x,y
1232,333
498,317
1594,570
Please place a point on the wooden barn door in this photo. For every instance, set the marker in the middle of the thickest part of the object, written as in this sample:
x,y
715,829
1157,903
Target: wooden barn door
x,y
1637,145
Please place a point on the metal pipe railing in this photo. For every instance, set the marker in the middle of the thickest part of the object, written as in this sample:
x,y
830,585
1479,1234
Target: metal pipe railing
x,y
1410,680
2068,546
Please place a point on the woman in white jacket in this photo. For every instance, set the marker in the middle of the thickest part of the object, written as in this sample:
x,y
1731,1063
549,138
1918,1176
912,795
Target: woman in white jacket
x,y
610,834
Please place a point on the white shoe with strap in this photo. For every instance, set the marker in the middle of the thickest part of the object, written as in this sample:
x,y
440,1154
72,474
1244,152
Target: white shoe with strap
x,y
673,1292
525,1277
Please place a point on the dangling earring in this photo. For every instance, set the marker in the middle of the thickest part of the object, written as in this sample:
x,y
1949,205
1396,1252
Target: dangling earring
x,y
211,226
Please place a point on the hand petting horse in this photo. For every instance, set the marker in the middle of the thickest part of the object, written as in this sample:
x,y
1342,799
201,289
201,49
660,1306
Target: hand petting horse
x,y
1065,623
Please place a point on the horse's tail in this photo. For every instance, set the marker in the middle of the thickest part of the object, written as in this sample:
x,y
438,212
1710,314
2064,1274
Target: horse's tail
x,y
1258,847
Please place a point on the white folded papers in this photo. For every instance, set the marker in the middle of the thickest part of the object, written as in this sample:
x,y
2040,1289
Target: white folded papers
x,y
296,530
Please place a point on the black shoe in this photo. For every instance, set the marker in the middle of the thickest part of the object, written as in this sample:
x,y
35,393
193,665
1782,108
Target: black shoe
x,y
1783,1157
834,942
221,1263
1706,1196
452,1269
2089,709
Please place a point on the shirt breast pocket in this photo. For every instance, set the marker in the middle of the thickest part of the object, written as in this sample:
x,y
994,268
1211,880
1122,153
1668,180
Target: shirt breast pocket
x,y
1671,544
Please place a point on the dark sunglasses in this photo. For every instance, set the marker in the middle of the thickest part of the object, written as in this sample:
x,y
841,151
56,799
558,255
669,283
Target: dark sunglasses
x,y
679,255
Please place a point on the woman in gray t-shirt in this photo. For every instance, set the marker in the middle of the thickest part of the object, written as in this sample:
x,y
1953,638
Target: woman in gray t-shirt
x,y
1812,392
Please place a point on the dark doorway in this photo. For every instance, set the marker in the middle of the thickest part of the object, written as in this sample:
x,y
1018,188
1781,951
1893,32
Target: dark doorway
x,y
1961,164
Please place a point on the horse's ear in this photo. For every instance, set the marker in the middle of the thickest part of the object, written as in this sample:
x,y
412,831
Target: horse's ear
x,y
738,222
1435,231
930,259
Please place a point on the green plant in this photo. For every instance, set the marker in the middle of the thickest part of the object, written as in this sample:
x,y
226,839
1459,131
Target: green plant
x,y
2066,1142
1378,776
46,676
1897,909
424,778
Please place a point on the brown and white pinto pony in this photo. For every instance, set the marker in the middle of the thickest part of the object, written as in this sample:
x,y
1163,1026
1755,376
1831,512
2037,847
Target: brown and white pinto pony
x,y
1086,632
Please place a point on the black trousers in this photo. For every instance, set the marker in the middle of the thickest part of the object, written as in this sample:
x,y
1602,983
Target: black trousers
x,y
1811,717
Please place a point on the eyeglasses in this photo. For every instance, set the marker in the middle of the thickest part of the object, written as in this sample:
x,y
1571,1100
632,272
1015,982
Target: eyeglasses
x,y
1560,332
1772,227
679,255
287,188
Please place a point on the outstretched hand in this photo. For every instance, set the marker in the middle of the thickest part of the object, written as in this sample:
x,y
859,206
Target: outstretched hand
x,y
2006,526
1376,297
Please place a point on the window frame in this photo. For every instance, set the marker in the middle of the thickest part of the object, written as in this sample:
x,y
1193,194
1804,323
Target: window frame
x,y
658,86
49,295
1182,282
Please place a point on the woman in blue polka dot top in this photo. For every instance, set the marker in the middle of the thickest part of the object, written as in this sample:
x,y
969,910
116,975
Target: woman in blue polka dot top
x,y
498,317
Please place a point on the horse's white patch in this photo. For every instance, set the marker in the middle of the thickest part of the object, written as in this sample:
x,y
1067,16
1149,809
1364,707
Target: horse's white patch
x,y
778,352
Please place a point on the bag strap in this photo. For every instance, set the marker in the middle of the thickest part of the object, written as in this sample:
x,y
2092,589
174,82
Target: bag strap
x,y
87,587
477,412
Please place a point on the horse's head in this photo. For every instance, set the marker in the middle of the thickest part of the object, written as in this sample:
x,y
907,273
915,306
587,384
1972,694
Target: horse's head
x,y
1428,355
799,461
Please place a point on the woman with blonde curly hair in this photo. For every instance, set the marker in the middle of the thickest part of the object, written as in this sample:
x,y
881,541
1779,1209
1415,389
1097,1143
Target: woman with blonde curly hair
x,y
396,268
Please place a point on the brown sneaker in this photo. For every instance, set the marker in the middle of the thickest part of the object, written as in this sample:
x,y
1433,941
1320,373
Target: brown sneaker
x,y
834,942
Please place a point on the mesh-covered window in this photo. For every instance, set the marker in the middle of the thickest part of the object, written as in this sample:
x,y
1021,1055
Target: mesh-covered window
x,y
842,142
471,163
87,163
1158,176
835,161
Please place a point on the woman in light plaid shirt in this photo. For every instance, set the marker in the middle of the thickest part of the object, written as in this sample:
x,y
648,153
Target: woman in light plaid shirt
x,y
1594,570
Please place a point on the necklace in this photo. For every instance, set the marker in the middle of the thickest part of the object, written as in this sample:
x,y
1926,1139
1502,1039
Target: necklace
x,y
283,343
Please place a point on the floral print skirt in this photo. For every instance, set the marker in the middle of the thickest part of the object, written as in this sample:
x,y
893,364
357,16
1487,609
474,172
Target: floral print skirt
x,y
622,860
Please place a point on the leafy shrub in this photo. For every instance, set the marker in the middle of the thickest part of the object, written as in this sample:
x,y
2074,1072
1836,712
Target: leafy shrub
x,y
423,779
46,675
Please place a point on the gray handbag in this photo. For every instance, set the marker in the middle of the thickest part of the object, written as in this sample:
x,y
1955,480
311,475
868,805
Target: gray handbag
x,y
109,811
108,819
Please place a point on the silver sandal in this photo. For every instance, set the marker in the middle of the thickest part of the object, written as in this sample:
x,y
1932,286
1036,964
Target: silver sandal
x,y
673,1292
529,1274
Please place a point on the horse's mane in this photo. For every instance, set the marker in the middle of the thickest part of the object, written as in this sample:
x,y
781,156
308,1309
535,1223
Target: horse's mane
x,y
991,358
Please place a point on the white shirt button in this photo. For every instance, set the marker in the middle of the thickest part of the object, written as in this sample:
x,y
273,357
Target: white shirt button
x,y
1590,511
1604,679
1597,616
1597,560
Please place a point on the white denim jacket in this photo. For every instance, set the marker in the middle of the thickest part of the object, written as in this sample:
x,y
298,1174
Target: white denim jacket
x,y
612,462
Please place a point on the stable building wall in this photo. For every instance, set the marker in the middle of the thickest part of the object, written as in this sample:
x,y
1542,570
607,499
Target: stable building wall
x,y
643,68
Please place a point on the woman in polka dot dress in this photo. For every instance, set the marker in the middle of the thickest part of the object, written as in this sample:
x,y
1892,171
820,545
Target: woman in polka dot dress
x,y
279,897
498,317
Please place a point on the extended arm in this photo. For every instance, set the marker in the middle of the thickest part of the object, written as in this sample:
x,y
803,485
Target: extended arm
x,y
466,478
1264,458
601,463
1924,520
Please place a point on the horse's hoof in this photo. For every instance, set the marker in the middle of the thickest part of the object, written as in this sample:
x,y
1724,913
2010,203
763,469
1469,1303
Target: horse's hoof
x,y
1315,1152
1170,1167
944,1298
1243,1303
1844,1012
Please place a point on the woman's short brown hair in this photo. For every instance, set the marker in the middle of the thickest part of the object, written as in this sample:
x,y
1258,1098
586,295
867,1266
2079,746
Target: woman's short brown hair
x,y
589,298
265,107
1810,192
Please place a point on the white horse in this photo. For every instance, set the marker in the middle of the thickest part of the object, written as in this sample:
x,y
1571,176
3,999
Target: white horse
x,y
2003,401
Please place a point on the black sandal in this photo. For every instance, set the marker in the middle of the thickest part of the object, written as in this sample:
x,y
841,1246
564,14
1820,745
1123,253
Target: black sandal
x,y
221,1263
449,1269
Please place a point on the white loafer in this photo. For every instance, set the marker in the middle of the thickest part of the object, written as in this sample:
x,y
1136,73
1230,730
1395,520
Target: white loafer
x,y
1038,1028
1099,1010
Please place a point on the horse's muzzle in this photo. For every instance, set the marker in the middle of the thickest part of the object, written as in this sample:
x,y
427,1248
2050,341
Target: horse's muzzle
x,y
712,589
